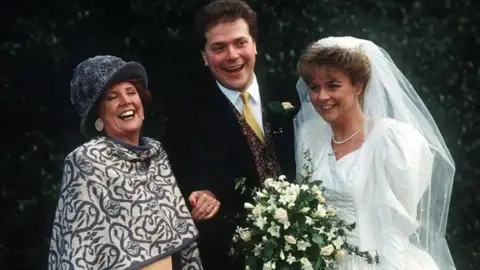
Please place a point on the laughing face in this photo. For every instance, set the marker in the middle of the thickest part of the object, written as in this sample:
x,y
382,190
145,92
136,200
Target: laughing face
x,y
333,95
122,112
230,54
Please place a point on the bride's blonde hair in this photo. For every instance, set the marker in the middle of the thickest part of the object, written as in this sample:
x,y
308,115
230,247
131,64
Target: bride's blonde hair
x,y
353,62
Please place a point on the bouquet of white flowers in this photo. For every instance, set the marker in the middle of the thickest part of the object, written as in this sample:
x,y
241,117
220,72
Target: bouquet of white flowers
x,y
291,226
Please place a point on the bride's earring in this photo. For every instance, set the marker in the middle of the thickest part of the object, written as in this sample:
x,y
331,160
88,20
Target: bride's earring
x,y
99,125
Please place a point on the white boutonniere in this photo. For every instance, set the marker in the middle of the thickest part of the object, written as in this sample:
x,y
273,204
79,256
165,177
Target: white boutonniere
x,y
284,107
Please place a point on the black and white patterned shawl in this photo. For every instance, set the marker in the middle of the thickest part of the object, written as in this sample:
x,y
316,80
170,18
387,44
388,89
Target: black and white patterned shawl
x,y
120,208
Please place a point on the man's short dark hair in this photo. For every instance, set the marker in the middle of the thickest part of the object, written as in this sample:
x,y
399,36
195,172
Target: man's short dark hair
x,y
221,11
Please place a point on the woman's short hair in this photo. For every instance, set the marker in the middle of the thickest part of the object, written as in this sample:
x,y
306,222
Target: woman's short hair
x,y
353,62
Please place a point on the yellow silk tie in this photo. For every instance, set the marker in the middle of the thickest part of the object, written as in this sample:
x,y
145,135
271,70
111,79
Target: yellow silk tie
x,y
248,115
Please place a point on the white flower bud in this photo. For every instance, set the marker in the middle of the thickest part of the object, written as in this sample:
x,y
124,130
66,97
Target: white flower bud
x,y
248,206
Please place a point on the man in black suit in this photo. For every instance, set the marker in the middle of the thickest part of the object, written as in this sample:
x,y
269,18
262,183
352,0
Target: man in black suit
x,y
223,130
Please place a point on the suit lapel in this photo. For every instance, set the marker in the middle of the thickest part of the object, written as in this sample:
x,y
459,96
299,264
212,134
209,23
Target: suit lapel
x,y
222,115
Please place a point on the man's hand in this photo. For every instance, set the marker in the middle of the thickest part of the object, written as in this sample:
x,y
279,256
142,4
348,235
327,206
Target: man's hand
x,y
204,204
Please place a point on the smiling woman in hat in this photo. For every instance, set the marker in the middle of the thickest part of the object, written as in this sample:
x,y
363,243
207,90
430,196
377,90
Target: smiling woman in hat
x,y
119,204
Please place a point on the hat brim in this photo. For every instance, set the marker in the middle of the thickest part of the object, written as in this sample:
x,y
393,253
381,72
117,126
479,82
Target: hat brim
x,y
131,70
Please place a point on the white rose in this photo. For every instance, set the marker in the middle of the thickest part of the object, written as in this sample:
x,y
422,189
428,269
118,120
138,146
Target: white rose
x,y
340,255
281,215
282,178
327,250
290,239
287,106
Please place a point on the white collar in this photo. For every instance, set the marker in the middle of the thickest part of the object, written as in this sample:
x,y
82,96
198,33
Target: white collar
x,y
253,91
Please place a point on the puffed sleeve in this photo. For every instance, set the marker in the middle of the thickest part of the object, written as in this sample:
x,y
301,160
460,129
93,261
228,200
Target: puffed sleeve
x,y
402,165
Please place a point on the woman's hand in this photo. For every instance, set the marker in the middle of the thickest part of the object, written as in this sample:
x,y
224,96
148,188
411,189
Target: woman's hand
x,y
204,204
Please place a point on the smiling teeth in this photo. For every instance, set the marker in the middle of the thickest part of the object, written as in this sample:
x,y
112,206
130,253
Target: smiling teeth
x,y
234,68
325,107
127,114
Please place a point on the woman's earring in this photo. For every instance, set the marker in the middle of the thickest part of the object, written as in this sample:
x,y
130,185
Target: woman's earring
x,y
99,125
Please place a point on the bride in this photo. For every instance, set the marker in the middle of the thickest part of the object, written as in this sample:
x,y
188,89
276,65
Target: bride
x,y
375,146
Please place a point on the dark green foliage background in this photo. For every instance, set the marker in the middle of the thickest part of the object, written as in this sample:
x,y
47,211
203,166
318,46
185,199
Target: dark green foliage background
x,y
435,43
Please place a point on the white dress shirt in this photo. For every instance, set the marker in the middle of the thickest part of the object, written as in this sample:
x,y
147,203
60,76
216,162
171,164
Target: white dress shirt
x,y
254,100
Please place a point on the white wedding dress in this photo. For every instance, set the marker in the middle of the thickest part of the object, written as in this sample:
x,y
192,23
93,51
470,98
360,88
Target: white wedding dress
x,y
378,187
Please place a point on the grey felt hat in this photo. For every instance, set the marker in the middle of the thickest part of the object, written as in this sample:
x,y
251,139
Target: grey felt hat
x,y
93,76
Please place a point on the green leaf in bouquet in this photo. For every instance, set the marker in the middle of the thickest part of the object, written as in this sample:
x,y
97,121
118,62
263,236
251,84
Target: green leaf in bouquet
x,y
250,260
319,264
269,250
352,226
316,182
318,239
255,231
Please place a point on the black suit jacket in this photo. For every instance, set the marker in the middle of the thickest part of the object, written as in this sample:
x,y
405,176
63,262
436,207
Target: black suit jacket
x,y
208,151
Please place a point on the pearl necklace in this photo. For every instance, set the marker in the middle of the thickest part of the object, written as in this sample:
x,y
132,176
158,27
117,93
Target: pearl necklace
x,y
349,138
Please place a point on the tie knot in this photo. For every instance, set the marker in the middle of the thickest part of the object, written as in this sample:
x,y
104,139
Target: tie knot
x,y
244,95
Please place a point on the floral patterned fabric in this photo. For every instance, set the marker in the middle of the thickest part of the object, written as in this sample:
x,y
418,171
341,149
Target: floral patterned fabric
x,y
263,153
120,208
